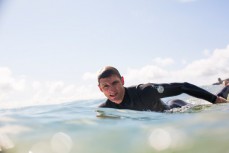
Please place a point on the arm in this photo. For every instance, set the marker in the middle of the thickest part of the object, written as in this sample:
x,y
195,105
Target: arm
x,y
220,100
175,89
224,92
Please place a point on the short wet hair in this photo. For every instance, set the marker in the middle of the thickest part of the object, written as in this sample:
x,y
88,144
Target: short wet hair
x,y
107,72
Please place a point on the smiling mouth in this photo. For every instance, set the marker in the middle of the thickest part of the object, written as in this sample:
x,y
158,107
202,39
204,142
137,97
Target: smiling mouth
x,y
113,95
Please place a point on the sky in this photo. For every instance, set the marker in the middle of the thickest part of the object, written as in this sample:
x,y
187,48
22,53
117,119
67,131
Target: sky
x,y
52,50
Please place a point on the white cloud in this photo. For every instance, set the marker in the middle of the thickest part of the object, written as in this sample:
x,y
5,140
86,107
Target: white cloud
x,y
145,74
8,84
17,91
202,72
150,73
210,68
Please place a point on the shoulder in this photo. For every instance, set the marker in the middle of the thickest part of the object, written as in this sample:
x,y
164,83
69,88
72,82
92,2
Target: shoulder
x,y
139,90
103,104
107,104
140,87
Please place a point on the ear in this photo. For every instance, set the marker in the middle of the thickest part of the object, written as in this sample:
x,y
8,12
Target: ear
x,y
122,80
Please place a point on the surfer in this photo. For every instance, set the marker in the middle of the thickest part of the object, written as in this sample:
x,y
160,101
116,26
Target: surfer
x,y
146,97
225,91
226,82
223,82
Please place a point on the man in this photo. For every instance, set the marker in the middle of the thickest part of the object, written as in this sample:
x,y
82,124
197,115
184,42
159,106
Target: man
x,y
225,91
223,82
144,97
226,82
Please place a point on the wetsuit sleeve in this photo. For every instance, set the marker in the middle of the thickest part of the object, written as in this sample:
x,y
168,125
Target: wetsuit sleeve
x,y
103,105
107,104
224,92
175,89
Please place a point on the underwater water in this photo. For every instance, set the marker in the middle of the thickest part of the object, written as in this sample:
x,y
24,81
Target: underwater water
x,y
81,127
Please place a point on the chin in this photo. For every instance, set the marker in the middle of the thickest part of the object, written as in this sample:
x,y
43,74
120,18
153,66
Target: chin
x,y
115,101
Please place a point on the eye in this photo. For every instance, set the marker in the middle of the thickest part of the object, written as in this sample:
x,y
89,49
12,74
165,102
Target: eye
x,y
105,87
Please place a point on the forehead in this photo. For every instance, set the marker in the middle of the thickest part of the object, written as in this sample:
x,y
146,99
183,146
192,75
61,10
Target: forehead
x,y
109,79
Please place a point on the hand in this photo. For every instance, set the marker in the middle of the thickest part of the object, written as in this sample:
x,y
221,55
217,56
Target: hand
x,y
220,100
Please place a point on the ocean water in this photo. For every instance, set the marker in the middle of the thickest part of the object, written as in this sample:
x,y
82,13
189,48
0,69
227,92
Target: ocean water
x,y
81,127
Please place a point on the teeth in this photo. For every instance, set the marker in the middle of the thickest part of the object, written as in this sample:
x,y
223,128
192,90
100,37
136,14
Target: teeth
x,y
113,95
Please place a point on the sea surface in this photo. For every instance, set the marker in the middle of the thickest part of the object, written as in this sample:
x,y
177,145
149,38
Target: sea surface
x,y
81,127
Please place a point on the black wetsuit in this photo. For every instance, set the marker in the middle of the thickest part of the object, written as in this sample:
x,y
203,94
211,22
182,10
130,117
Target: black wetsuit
x,y
147,97
224,92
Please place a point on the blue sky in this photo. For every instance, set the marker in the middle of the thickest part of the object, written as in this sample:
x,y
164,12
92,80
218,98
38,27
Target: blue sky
x,y
51,50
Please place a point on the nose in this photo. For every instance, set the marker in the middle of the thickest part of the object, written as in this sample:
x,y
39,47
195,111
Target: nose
x,y
111,89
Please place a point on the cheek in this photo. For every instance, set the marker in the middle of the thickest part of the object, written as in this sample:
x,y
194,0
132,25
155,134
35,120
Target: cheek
x,y
105,91
119,87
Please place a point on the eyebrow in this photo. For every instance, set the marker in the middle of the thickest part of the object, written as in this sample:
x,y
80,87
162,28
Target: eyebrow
x,y
115,81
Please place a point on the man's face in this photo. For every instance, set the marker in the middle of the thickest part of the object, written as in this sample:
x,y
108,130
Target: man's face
x,y
113,88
